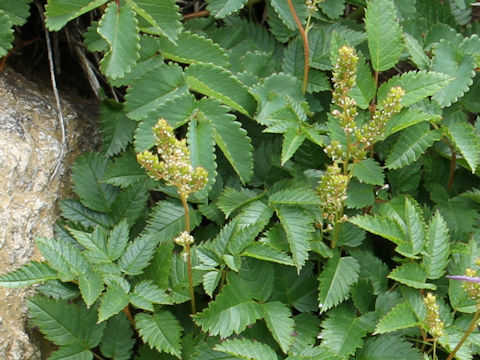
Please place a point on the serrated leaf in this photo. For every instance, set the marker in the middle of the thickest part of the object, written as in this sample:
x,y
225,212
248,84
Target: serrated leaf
x,y
91,286
415,225
6,34
283,11
117,129
332,8
131,202
229,136
114,300
154,88
94,243
71,352
449,60
118,26
415,49
408,117
202,148
56,289
467,142
364,88
411,144
64,323
160,331
232,311
384,34
278,318
74,210
267,252
368,171
87,171
385,227
298,226
194,49
417,85
210,282
177,110
223,8
138,254
247,349
17,11
117,241
146,293
437,247
359,195
163,16
59,12
342,332
400,317
231,199
220,84
31,273
118,341
92,39
335,280
292,139
294,196
392,347
63,257
411,274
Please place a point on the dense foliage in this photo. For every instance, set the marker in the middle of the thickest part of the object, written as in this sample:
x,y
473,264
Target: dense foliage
x,y
329,179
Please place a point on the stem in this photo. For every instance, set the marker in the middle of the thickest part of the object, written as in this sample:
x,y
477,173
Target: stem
x,y
127,312
183,197
435,349
453,164
306,48
472,327
194,15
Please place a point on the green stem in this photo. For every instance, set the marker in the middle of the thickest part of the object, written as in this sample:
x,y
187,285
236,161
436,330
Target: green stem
x,y
472,327
435,349
183,197
306,48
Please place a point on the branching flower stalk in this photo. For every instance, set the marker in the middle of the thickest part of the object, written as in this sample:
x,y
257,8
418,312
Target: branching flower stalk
x,y
176,169
333,185
432,320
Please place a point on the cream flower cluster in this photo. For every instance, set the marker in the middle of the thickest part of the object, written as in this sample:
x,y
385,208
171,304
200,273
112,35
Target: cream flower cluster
x,y
432,318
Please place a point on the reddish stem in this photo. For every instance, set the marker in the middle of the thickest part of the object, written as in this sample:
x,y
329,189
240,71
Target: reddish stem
x,y
196,15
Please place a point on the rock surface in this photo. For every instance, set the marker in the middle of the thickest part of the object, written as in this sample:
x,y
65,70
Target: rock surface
x,y
30,148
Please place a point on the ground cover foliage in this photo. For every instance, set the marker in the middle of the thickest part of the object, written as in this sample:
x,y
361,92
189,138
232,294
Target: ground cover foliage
x,y
327,185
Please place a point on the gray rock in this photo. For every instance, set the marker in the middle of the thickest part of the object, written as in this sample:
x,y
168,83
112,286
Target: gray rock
x,y
30,148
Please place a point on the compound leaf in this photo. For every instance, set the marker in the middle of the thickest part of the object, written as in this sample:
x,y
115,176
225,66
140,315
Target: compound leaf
x,y
466,141
400,317
368,171
247,349
118,341
278,318
112,301
31,273
411,274
147,293
393,347
437,247
138,254
383,226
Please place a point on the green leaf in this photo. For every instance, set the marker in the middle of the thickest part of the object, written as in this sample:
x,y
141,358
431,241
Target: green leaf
x,y
466,141
118,26
400,317
211,279
146,293
167,220
332,8
415,49
117,129
292,139
298,226
17,11
411,144
386,227
415,225
92,39
283,11
220,84
223,8
392,347
69,352
231,199
359,195
267,252
117,241
64,323
384,34
94,243
87,171
294,196
229,136
278,318
163,16
31,273
232,311
91,286
74,210
118,341
200,138
247,349
131,202
176,110
364,88
194,49
449,60
59,12
114,300
417,85
6,34
338,275
160,331
411,274
437,247
63,257
342,332
406,118
138,254
154,88
368,171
